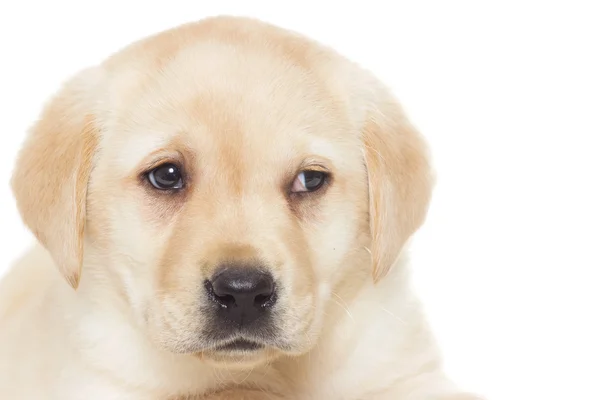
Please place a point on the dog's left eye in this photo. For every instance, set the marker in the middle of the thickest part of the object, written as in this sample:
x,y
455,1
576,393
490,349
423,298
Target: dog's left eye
x,y
308,181
166,177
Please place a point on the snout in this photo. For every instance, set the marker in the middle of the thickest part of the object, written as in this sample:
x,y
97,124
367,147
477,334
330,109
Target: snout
x,y
242,299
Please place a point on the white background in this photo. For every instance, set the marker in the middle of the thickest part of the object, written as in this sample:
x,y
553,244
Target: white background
x,y
508,95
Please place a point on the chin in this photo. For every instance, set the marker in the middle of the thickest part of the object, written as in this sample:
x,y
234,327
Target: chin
x,y
241,354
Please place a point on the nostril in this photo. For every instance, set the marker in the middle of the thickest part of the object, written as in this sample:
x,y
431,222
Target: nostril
x,y
225,300
264,300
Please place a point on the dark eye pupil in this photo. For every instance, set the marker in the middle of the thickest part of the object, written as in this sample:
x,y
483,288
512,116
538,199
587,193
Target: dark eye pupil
x,y
166,177
313,179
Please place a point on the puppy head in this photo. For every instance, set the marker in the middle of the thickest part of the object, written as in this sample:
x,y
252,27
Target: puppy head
x,y
224,177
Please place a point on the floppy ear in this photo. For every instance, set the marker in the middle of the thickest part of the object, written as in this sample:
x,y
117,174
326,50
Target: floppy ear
x,y
51,175
399,182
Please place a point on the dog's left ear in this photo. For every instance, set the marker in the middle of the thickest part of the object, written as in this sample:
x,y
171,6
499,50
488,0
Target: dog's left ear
x,y
400,180
52,170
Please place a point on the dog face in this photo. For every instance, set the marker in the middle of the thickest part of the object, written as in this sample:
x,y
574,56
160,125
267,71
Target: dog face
x,y
242,180
227,177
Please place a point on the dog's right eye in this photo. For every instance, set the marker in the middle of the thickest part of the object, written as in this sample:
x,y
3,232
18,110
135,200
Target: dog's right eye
x,y
166,177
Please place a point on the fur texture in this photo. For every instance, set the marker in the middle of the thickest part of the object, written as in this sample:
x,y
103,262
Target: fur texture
x,y
241,106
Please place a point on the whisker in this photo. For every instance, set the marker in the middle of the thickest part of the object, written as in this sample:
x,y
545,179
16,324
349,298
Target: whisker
x,y
393,315
343,305
247,376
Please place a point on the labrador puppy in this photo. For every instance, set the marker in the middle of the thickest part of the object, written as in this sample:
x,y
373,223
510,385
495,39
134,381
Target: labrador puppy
x,y
221,210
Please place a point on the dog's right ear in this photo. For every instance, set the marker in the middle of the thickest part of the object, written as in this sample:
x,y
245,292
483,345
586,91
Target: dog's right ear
x,y
52,170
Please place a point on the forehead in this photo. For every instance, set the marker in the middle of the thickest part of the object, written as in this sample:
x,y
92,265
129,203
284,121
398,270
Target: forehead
x,y
218,99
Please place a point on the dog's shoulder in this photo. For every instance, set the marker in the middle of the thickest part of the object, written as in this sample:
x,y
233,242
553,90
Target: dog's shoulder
x,y
25,282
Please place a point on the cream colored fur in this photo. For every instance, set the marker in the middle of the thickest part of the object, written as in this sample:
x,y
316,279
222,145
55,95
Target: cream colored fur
x,y
107,306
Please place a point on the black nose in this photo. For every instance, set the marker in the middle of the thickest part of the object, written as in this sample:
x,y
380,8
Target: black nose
x,y
243,293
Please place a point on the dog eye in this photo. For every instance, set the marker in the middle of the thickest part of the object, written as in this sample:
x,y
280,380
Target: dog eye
x,y
166,177
308,181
